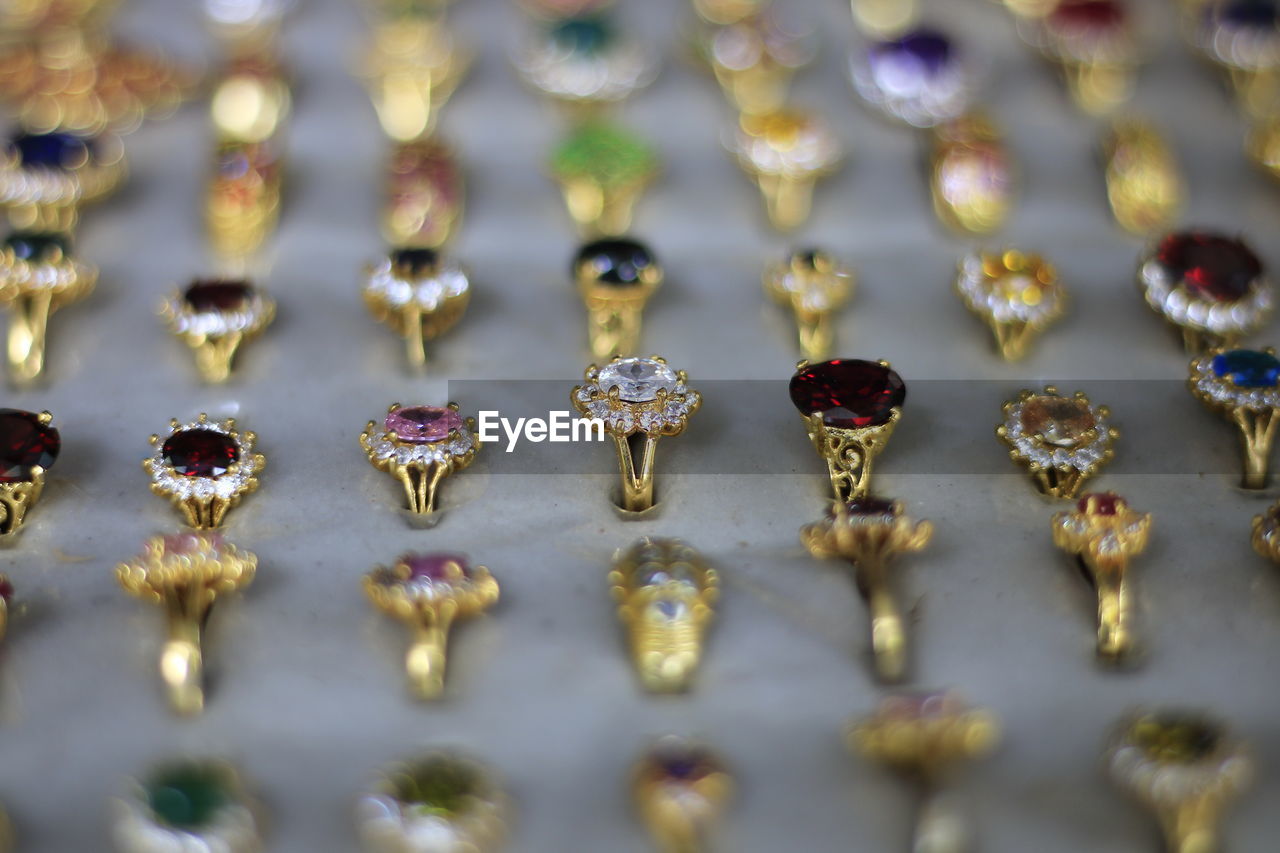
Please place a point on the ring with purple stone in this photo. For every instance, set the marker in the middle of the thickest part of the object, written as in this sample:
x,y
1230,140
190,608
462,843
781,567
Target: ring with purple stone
x,y
428,592
585,62
185,573
850,408
924,737
785,153
1244,386
1103,532
29,445
1061,441
214,317
1212,287
441,801
754,59
869,533
1185,767
666,596
615,278
38,276
918,78
196,804
1093,43
1242,37
46,177
639,400
419,294
420,446
1016,293
681,789
204,468
813,284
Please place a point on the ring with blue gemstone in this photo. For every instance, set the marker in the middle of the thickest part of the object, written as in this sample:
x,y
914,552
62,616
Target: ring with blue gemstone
x,y
1242,37
46,177
419,294
38,275
1244,386
681,788
187,804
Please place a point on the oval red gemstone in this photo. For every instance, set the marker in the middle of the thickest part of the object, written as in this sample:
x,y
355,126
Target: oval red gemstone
x,y
848,392
218,295
1090,15
25,444
1101,503
200,452
1211,266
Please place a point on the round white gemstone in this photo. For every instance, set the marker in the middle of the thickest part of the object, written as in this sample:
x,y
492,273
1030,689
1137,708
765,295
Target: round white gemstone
x,y
638,380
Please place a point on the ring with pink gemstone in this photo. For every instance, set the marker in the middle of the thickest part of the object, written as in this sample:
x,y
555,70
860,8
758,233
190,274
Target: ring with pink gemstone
x,y
1211,286
666,596
214,317
1103,532
869,533
1243,385
1016,293
850,408
1061,441
418,294
639,400
204,468
785,152
29,445
814,285
681,789
185,573
428,592
1093,43
420,446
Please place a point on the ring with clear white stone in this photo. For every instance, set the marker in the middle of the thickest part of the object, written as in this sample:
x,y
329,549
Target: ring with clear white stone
x,y
640,398
419,305
1061,441
200,806
420,446
440,802
204,468
609,75
1017,294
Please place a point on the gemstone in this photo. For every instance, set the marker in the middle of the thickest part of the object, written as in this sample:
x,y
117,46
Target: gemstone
x,y
911,58
218,296
200,452
1087,15
604,153
414,263
187,796
52,150
6,590
660,573
426,192
1248,368
422,424
37,247
437,786
1249,14
586,35
1101,503
435,567
1060,421
1210,266
848,392
1175,738
619,262
25,444
869,506
675,760
638,380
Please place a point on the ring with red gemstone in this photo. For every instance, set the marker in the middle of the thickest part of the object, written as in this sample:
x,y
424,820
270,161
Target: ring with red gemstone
x,y
29,445
1103,532
869,533
428,592
639,400
1062,441
38,275
850,407
420,446
615,277
196,804
681,788
1016,293
1093,42
666,596
1244,386
204,468
1211,286
418,294
185,573
813,284
214,317
46,177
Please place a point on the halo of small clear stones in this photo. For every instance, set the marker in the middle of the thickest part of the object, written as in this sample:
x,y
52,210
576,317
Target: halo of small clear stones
x,y
609,76
1222,390
979,295
386,446
816,149
39,185
1171,784
234,829
427,292
946,96
1240,47
647,417
42,275
204,488
1172,301
251,318
1085,458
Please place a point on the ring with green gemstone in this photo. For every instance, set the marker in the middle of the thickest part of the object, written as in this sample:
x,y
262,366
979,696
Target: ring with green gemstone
x,y
602,170
187,804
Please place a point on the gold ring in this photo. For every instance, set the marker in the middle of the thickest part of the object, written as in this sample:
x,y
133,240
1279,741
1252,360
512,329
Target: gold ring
x,y
412,69
419,295
666,596
602,170
681,788
1093,44
420,446
639,400
46,177
726,12
885,18
214,317
585,62
615,277
752,55
38,276
813,284
1103,533
870,533
425,195
1245,45
972,178
251,101
1183,766
1061,441
1144,186
850,408
29,445
204,468
188,804
185,573
1016,293
428,592
1244,386
785,152
242,197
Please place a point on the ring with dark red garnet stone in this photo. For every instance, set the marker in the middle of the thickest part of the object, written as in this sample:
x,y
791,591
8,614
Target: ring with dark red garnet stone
x,y
420,446
204,468
214,317
28,447
851,408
